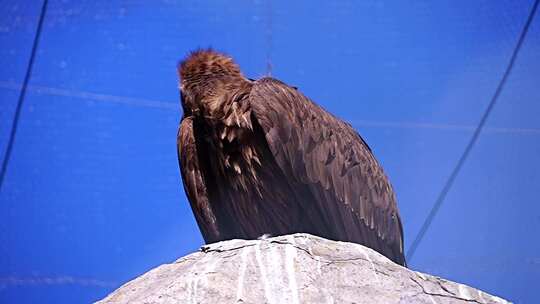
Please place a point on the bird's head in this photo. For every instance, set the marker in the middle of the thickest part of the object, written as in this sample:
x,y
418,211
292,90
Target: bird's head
x,y
204,74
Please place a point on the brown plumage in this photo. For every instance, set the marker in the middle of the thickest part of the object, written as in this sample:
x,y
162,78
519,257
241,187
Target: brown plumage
x,y
258,157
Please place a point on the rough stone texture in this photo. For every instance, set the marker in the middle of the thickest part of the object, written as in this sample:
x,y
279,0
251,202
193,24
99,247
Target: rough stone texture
x,y
297,268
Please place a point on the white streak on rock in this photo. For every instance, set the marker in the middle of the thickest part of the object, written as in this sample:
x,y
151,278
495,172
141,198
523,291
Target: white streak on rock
x,y
264,276
329,298
290,256
275,271
463,292
202,278
243,266
372,266
480,295
191,284
210,267
193,288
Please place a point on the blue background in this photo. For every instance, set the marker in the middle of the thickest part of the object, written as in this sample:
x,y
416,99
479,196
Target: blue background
x,y
93,196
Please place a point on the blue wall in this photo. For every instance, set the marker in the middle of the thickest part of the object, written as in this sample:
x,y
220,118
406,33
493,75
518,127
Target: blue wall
x,y
93,196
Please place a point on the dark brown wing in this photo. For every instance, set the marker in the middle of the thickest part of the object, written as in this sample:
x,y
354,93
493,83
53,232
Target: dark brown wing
x,y
193,180
326,155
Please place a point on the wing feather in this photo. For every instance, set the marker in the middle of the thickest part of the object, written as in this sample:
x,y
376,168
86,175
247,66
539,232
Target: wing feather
x,y
194,184
328,157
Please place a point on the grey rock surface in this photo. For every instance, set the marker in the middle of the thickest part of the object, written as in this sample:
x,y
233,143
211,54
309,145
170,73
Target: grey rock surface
x,y
298,268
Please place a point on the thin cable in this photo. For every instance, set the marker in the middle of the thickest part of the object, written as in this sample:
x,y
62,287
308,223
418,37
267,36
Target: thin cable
x,y
20,101
171,105
450,181
131,101
440,126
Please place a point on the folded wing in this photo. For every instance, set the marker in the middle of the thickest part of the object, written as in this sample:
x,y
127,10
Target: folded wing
x,y
194,183
327,156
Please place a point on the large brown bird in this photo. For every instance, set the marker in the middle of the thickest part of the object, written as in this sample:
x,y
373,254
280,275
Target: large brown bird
x,y
258,157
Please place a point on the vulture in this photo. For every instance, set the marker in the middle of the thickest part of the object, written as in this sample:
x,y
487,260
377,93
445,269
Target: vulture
x,y
257,157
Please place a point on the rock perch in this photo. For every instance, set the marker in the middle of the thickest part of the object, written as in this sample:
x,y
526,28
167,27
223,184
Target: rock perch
x,y
298,268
